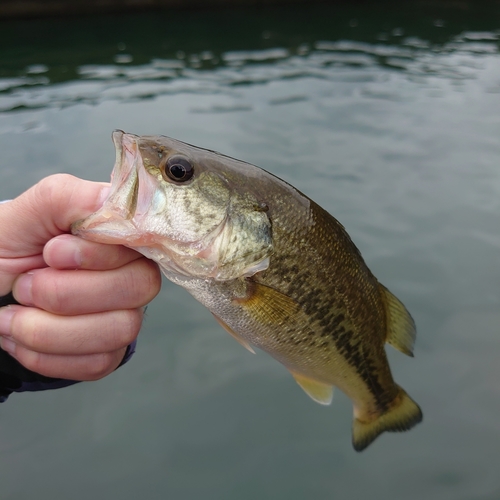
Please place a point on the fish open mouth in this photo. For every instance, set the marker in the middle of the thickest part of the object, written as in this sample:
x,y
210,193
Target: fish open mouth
x,y
132,190
130,216
188,229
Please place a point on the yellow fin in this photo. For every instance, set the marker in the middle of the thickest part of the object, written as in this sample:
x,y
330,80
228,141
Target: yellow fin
x,y
233,334
402,416
270,306
275,309
400,325
317,391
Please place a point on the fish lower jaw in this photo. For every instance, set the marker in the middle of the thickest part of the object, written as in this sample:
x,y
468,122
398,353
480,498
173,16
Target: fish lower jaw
x,y
109,236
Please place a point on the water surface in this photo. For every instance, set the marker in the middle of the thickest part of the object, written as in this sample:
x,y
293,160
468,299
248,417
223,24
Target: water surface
x,y
389,117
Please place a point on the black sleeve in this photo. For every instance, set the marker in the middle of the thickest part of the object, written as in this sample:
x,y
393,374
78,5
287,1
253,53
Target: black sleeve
x,y
14,377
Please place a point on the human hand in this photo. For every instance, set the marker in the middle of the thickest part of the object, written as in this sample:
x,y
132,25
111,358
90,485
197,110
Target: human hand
x,y
81,302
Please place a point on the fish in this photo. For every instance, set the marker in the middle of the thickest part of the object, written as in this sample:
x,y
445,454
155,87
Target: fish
x,y
277,271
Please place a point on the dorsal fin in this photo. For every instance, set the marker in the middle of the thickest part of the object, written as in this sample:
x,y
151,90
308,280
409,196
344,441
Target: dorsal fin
x,y
400,325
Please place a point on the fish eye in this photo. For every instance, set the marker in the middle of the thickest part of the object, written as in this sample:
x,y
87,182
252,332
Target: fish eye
x,y
179,169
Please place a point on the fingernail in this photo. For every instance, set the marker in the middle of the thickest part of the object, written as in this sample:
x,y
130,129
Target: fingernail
x,y
6,314
66,251
8,346
23,287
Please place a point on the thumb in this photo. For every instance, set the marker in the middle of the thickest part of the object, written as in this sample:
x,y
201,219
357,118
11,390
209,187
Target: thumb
x,y
46,210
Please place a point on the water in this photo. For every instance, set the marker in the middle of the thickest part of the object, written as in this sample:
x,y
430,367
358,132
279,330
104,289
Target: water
x,y
390,119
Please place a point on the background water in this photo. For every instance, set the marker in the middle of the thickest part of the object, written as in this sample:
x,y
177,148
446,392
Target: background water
x,y
388,116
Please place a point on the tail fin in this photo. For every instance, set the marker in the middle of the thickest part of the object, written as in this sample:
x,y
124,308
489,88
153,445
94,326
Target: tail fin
x,y
402,416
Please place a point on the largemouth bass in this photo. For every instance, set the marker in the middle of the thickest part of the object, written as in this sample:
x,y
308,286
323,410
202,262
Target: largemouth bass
x,y
276,270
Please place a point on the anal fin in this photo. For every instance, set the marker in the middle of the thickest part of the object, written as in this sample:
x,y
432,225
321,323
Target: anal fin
x,y
317,391
233,334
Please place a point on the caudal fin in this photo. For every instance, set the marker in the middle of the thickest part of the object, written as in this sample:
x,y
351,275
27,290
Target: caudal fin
x,y
402,416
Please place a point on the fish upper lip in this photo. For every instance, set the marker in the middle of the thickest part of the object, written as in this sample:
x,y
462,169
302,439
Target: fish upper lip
x,y
127,141
123,141
123,172
117,141
117,137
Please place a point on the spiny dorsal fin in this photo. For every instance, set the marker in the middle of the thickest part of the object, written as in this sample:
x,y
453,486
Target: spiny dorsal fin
x,y
317,391
233,334
400,325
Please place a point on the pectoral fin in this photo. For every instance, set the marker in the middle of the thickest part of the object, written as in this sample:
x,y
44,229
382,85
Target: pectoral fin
x,y
400,325
271,307
233,334
317,391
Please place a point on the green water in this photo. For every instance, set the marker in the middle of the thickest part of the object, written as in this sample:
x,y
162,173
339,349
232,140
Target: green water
x,y
389,117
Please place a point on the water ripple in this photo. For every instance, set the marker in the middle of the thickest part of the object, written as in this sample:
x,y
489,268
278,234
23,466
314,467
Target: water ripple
x,y
459,59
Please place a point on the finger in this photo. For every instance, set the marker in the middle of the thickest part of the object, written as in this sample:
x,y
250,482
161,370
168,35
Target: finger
x,y
39,331
86,367
70,252
74,292
46,210
10,269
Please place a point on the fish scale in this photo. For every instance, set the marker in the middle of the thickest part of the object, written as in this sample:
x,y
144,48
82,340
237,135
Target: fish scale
x,y
322,295
276,270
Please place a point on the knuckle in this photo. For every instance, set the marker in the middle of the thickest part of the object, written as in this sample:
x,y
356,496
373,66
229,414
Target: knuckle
x,y
50,185
100,366
31,360
116,255
28,331
127,326
139,282
155,279
148,280
48,293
